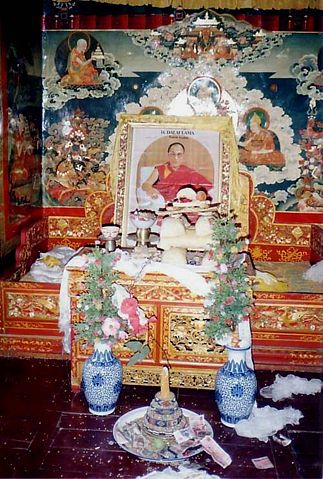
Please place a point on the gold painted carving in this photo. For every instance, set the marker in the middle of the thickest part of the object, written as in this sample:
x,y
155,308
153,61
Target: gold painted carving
x,y
288,318
44,307
179,378
301,357
184,337
85,227
292,254
30,346
280,234
260,254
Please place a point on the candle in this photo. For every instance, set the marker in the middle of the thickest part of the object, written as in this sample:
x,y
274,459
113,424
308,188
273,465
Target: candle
x,y
164,384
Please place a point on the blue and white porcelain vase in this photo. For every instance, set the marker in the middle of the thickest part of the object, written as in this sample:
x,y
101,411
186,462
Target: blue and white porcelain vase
x,y
102,380
235,387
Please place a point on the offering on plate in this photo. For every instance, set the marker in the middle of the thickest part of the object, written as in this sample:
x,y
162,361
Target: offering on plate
x,y
164,416
189,198
162,432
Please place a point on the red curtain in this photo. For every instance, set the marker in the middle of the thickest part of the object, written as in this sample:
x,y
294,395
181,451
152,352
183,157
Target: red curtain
x,y
291,21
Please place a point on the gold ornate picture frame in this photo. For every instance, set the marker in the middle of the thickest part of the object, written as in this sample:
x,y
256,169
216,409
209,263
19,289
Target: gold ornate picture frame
x,y
142,142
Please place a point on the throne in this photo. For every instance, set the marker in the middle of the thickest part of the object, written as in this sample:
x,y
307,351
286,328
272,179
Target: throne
x,y
286,321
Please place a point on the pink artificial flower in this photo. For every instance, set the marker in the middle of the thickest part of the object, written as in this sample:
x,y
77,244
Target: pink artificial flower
x,y
116,259
98,262
122,335
219,254
110,327
223,268
129,306
229,300
101,280
135,325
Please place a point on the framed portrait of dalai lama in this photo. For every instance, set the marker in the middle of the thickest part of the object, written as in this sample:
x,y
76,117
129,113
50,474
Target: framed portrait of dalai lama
x,y
156,157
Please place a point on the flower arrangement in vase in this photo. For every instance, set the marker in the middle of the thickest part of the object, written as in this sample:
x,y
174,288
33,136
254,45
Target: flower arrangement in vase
x,y
109,314
230,299
227,305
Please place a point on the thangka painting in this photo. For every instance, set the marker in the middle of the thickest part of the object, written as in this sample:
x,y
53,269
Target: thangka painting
x,y
270,84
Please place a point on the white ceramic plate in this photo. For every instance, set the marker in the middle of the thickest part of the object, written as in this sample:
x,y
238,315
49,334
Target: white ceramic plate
x,y
139,413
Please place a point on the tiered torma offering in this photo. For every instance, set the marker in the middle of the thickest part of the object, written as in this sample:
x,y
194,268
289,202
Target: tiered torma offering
x,y
164,416
162,431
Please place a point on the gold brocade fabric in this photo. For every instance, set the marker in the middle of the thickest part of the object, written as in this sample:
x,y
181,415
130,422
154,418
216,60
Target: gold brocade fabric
x,y
221,4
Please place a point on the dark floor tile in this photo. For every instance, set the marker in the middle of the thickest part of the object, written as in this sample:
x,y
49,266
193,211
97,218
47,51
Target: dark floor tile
x,y
307,443
312,410
87,421
111,464
85,439
15,462
241,466
18,429
285,460
47,431
227,436
310,468
308,450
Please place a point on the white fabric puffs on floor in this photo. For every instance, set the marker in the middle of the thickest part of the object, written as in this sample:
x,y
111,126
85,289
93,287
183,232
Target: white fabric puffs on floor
x,y
181,473
285,386
267,421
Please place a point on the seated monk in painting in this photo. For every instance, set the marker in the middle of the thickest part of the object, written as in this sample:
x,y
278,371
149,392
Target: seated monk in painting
x,y
168,178
80,71
260,146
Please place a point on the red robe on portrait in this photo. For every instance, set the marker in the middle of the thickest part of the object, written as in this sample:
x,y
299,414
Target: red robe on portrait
x,y
170,181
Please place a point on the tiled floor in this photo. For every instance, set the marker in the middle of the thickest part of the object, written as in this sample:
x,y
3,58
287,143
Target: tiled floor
x,y
46,430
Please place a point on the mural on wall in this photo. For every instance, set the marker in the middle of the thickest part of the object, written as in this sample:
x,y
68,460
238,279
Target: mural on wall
x,y
80,69
209,37
240,103
259,145
307,192
24,151
2,216
275,115
24,162
74,156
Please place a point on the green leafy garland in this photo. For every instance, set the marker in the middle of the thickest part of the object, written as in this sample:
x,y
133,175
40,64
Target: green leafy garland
x,y
230,299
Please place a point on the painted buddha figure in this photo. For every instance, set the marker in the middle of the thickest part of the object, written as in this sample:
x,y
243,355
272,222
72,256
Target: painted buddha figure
x,y
80,70
260,146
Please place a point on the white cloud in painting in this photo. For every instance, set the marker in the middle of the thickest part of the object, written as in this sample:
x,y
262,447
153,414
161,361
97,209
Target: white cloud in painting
x,y
279,196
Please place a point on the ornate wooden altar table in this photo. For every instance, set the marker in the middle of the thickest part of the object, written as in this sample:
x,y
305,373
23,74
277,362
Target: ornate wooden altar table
x,y
286,328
